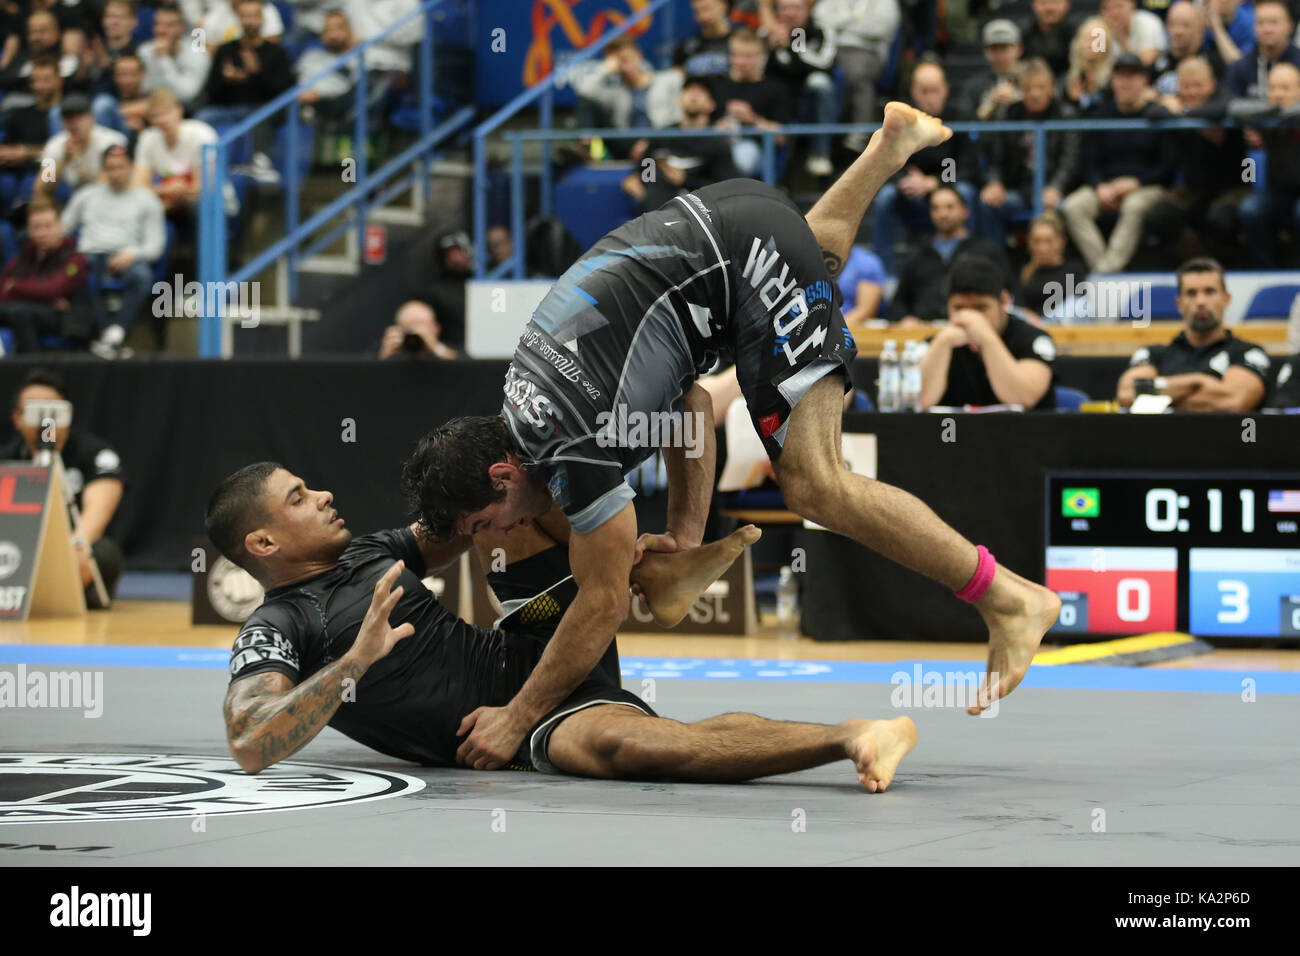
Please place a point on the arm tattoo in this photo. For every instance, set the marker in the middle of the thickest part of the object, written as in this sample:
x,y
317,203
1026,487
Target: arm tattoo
x,y
275,725
834,264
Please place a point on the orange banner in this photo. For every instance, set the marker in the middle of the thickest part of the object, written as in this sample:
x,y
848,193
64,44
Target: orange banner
x,y
550,14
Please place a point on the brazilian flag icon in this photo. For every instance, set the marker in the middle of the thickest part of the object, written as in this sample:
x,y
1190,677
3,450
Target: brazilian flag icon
x,y
1080,502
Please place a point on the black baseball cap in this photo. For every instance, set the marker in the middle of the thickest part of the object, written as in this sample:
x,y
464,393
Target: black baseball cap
x,y
1130,62
74,104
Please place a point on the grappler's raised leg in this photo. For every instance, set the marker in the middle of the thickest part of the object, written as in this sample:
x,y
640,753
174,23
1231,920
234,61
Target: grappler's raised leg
x,y
619,742
900,526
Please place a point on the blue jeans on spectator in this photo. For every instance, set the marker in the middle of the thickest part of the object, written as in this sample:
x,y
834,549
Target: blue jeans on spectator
x,y
891,208
137,281
1262,214
105,110
991,223
820,102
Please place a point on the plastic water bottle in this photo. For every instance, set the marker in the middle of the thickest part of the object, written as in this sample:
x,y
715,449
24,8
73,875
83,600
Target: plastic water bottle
x,y
890,384
911,390
787,603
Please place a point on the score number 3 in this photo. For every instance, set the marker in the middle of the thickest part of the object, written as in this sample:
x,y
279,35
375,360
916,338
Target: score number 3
x,y
1236,602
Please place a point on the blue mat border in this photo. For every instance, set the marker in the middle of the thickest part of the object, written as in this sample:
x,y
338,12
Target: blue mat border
x,y
1059,677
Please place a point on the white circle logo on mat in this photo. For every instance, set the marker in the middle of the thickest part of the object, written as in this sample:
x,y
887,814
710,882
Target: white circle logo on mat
x,y
11,558
63,787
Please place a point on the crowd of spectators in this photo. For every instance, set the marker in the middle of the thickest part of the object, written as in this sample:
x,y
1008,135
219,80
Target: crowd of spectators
x,y
1123,199
105,107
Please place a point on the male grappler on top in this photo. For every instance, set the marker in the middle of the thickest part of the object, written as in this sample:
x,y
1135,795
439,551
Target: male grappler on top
x,y
622,336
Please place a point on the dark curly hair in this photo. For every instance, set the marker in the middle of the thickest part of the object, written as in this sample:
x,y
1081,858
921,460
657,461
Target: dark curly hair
x,y
447,473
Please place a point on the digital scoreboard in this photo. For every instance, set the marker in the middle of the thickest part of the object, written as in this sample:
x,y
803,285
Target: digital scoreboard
x,y
1212,555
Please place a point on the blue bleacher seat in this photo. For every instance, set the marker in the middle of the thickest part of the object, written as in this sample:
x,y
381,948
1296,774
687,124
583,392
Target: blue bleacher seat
x,y
8,241
1069,399
306,143
7,341
143,24
1163,302
1272,302
590,202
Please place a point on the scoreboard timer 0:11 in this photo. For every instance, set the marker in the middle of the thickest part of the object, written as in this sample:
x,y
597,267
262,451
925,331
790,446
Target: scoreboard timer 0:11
x,y
1213,554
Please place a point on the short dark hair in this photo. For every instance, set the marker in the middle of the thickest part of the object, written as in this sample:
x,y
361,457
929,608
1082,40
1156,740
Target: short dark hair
x,y
447,473
975,275
45,61
697,81
744,35
946,187
40,376
236,508
1198,264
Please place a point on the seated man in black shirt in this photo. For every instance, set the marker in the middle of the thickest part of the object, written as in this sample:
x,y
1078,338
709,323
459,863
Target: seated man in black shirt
x,y
1205,368
246,72
920,292
1049,33
747,97
1009,185
681,163
348,636
705,53
94,476
28,128
985,356
1124,171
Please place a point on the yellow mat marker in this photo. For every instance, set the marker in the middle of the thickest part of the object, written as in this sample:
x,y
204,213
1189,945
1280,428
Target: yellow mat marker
x,y
1077,653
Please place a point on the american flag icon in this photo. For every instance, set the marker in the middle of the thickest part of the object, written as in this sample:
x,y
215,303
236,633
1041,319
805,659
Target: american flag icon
x,y
1285,501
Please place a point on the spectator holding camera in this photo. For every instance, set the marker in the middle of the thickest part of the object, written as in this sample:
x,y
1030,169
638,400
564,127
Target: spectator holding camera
x,y
415,333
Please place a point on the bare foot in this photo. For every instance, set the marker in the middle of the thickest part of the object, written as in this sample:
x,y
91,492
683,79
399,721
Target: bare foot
x,y
906,130
1018,613
672,582
877,747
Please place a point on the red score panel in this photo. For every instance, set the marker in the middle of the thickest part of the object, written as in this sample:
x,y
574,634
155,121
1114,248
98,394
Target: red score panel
x,y
1128,590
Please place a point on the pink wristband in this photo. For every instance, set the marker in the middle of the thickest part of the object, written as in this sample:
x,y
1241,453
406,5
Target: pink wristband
x,y
981,579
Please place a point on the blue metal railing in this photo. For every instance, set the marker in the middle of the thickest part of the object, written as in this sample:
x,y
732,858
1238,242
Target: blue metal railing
x,y
214,271
544,91
769,139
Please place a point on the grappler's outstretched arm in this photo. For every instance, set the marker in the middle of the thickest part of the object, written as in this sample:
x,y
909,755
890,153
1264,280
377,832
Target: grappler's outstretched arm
x,y
690,472
268,718
601,562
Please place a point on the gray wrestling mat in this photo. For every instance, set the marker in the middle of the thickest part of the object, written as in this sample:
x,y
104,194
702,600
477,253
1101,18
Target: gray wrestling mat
x,y
1061,776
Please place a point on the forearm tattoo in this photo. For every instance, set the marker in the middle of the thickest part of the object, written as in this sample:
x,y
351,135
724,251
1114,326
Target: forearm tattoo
x,y
277,725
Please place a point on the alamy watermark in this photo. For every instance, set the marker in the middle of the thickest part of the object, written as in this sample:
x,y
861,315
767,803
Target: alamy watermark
x,y
193,300
1086,301
935,689
632,428
74,690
